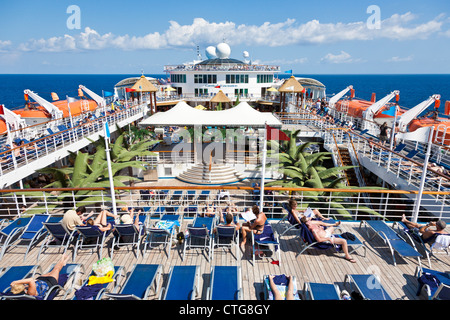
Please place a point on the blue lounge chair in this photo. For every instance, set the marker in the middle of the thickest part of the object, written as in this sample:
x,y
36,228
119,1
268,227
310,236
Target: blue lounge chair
x,y
321,291
290,219
13,273
176,196
392,239
96,291
435,283
190,196
126,235
308,241
414,238
67,277
198,237
203,196
57,237
281,282
368,285
225,237
139,282
267,241
11,231
32,234
90,238
225,283
162,233
182,284
159,211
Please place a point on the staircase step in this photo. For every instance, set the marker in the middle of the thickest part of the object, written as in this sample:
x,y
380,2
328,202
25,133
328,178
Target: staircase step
x,y
219,174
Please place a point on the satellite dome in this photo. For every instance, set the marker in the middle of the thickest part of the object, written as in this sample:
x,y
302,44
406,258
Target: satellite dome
x,y
223,50
211,52
246,54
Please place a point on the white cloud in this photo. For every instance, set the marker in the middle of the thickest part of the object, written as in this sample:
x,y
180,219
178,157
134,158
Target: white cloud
x,y
342,57
203,32
401,59
4,45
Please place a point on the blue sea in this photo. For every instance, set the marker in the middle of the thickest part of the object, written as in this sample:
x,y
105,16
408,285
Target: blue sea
x,y
413,88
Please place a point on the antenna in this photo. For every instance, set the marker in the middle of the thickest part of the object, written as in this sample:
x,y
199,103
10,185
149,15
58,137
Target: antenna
x,y
199,56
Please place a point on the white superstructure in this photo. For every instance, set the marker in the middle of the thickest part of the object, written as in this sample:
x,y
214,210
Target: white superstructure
x,y
235,78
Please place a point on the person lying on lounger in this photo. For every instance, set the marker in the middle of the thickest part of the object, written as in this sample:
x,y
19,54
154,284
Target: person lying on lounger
x,y
100,221
321,234
39,287
428,236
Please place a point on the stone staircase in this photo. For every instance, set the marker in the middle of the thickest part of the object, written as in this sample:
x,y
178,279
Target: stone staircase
x,y
220,174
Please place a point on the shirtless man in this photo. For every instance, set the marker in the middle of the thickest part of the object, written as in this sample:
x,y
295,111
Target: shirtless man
x,y
256,226
321,234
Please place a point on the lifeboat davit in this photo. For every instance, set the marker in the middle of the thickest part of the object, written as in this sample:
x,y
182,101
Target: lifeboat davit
x,y
35,114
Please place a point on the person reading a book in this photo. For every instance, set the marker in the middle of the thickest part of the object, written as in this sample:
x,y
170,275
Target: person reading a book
x,y
309,213
255,221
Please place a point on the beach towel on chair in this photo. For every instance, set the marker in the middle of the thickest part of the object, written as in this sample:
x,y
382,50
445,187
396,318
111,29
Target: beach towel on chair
x,y
267,236
430,280
442,242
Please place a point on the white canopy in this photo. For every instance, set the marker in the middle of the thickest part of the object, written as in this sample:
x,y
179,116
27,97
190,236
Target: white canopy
x,y
242,115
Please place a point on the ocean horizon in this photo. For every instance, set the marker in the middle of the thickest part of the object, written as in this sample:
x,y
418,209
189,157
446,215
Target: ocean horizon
x,y
414,88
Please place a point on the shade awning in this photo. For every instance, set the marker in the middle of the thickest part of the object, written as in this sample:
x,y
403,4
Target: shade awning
x,y
182,114
291,85
220,97
144,85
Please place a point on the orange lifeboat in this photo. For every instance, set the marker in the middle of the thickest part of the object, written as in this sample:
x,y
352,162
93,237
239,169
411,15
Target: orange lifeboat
x,y
441,128
2,126
76,108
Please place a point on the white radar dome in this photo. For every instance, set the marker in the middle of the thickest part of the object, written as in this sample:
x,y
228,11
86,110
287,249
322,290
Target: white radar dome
x,y
223,50
246,54
211,52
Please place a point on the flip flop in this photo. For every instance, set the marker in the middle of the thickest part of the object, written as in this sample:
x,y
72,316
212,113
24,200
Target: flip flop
x,y
351,260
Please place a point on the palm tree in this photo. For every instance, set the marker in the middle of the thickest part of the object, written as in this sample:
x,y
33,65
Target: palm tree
x,y
299,167
302,169
90,171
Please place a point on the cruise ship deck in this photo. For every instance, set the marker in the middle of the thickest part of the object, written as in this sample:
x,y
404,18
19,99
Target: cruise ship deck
x,y
313,265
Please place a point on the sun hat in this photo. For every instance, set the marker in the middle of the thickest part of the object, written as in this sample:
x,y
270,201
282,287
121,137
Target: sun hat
x,y
126,219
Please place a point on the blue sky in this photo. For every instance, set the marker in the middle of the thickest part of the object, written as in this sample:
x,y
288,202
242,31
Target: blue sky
x,y
310,37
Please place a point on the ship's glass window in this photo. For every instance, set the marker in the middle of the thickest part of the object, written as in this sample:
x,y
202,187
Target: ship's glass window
x,y
237,78
178,78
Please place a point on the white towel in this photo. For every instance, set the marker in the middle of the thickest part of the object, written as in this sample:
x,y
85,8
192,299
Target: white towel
x,y
442,242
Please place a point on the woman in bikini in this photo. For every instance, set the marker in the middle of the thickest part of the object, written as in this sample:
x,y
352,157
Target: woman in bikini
x,y
256,226
322,234
100,221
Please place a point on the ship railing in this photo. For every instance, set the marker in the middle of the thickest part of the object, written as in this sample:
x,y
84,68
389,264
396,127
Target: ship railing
x,y
229,157
26,153
408,169
241,68
343,204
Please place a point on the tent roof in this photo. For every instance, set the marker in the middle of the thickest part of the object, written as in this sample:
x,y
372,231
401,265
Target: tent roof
x,y
220,97
144,85
291,82
184,115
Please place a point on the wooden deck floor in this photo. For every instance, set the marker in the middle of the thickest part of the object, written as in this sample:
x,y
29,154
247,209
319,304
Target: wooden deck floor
x,y
313,265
